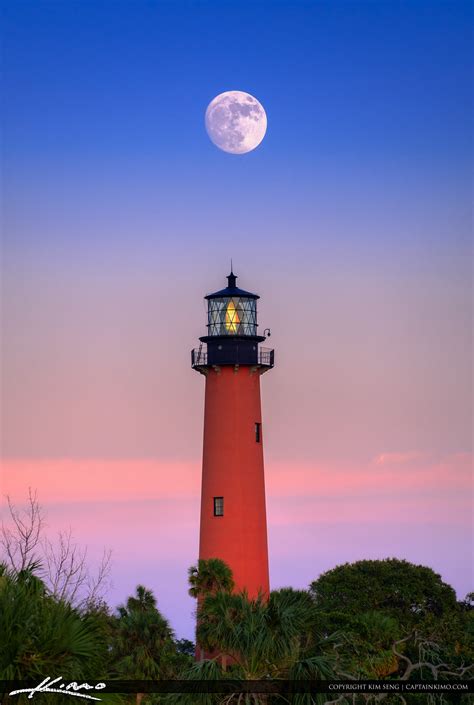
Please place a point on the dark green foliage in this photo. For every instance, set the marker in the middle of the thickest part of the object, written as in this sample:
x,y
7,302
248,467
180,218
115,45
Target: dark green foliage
x,y
378,603
185,647
41,636
367,647
395,587
209,576
371,619
454,633
264,633
142,640
257,639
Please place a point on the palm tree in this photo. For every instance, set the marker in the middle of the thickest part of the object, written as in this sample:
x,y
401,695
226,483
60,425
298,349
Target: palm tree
x,y
143,646
210,576
40,634
142,602
262,638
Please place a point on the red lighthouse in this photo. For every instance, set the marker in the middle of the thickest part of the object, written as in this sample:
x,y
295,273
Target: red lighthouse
x,y
233,515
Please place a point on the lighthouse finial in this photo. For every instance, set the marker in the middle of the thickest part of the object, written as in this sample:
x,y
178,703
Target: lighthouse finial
x,y
231,278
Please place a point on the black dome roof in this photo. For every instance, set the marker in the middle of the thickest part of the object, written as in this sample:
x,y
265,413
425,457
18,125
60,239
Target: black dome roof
x,y
231,290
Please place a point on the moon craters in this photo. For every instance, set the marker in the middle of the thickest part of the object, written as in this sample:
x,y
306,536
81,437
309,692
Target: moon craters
x,y
236,122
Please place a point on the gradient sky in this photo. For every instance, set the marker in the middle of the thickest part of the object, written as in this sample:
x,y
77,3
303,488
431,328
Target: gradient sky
x,y
352,220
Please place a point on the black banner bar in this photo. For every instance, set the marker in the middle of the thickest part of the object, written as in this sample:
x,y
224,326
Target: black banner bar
x,y
94,688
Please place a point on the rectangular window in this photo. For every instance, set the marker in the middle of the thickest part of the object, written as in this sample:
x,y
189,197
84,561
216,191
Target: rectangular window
x,y
257,432
218,506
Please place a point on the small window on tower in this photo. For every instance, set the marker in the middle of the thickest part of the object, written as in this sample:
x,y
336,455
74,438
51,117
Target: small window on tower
x,y
258,432
218,506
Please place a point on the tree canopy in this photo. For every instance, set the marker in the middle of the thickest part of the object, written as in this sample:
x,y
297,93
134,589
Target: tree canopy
x,y
396,587
143,642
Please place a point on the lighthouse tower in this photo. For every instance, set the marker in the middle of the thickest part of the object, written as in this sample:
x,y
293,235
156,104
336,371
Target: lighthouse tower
x,y
233,515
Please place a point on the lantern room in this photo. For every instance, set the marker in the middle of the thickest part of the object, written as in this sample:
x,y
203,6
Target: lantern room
x,y
232,311
232,337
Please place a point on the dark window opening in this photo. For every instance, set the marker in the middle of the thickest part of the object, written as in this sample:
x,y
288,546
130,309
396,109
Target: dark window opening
x,y
258,432
218,506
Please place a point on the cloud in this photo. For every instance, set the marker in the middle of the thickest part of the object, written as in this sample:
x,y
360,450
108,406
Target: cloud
x,y
404,488
95,480
397,458
421,477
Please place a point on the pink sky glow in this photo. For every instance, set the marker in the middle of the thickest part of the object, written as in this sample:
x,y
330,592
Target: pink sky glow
x,y
403,504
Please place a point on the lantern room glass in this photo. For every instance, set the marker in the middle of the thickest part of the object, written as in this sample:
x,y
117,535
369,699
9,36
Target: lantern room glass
x,y
234,315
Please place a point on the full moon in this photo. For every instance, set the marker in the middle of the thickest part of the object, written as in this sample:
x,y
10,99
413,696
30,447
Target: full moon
x,y
236,122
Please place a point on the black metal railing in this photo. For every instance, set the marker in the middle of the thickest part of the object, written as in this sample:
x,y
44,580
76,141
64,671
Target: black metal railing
x,y
265,357
199,357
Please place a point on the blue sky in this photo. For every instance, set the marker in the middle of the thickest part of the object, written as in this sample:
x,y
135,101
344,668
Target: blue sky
x,y
106,101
